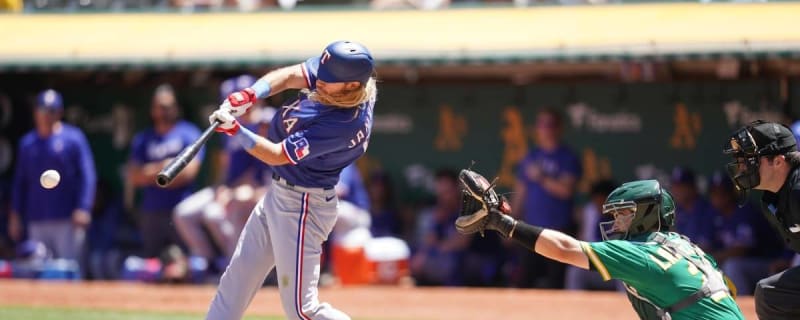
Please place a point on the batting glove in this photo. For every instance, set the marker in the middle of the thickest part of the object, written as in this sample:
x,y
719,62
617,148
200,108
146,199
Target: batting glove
x,y
228,124
240,101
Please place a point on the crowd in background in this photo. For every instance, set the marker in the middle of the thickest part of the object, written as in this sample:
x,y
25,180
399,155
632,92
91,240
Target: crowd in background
x,y
186,233
263,5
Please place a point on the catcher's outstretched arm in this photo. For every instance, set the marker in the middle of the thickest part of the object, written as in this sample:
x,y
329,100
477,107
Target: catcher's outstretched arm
x,y
561,247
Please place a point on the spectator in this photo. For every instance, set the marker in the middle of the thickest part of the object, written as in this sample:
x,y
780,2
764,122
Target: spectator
x,y
151,150
57,217
223,210
543,196
744,245
351,187
692,211
440,247
590,218
382,207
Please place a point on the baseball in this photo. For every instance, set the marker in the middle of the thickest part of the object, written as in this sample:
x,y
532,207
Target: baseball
x,y
50,179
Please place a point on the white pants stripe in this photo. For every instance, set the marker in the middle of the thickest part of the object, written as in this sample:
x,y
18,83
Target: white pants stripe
x,y
301,230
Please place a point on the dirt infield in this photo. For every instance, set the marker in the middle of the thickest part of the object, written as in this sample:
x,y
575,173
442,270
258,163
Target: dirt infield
x,y
360,302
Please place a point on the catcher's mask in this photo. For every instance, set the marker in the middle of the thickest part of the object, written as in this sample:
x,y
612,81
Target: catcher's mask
x,y
638,207
748,144
623,212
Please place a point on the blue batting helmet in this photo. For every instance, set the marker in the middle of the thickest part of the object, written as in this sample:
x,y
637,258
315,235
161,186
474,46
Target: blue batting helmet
x,y
235,84
343,61
49,99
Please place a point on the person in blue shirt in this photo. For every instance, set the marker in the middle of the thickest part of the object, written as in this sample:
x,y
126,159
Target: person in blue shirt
x,y
546,182
222,210
743,243
384,218
693,210
308,144
151,150
439,247
57,217
351,187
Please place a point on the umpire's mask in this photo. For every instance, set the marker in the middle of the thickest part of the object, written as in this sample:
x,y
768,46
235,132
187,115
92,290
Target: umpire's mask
x,y
743,170
747,144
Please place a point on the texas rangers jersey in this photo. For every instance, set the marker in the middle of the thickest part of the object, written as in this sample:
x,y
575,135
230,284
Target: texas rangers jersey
x,y
319,140
659,276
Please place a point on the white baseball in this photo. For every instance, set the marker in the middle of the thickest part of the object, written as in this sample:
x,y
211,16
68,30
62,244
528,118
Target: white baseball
x,y
50,179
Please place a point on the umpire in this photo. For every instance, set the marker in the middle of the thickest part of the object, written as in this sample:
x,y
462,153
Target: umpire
x,y
765,157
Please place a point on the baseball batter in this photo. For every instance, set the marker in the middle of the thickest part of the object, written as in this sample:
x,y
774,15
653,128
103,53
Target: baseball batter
x,y
309,142
666,275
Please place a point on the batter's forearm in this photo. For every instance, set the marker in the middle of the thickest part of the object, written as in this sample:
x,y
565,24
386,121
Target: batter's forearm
x,y
276,81
262,149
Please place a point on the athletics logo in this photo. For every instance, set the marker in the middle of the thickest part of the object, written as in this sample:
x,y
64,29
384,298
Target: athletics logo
x,y
325,57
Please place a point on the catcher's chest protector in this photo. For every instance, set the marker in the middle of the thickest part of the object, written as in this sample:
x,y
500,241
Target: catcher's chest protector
x,y
713,285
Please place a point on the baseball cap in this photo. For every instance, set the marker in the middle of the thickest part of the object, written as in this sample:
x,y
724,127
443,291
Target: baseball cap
x,y
682,174
343,61
720,179
772,138
235,84
49,99
796,130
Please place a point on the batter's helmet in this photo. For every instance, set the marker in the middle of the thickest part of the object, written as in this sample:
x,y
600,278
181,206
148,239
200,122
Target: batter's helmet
x,y
49,99
343,61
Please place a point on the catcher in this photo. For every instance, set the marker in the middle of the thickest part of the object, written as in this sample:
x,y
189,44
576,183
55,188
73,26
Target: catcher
x,y
665,274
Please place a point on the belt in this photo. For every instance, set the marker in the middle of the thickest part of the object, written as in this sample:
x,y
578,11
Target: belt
x,y
276,177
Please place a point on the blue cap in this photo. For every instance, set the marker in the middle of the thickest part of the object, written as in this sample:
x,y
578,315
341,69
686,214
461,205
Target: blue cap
x,y
796,130
236,84
683,175
343,61
720,179
49,99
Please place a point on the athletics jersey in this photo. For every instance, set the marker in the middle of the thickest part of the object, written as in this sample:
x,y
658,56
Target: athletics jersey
x,y
319,140
657,275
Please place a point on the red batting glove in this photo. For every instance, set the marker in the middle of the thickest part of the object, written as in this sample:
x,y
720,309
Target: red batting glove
x,y
241,101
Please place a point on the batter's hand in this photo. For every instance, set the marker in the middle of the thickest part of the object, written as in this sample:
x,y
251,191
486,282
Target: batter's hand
x,y
228,125
240,101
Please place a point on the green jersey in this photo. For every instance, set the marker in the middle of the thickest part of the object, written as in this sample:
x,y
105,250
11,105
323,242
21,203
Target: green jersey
x,y
653,273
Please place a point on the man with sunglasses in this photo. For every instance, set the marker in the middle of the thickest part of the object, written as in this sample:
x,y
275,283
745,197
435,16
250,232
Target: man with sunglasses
x,y
666,275
765,157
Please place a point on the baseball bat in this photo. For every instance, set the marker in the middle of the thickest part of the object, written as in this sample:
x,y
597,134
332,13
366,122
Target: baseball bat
x,y
174,167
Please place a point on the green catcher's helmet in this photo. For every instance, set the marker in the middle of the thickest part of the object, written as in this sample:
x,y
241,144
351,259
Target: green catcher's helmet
x,y
638,207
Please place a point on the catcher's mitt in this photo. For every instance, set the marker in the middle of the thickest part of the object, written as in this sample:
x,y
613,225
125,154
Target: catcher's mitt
x,y
479,202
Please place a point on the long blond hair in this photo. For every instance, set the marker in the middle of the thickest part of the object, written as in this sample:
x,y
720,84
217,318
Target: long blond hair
x,y
347,99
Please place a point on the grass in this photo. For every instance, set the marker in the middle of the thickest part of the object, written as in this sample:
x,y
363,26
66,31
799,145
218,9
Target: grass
x,y
47,313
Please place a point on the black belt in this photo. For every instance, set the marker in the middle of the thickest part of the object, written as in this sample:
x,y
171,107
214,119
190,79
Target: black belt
x,y
276,177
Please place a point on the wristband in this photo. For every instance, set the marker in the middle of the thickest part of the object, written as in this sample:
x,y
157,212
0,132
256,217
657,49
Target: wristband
x,y
526,235
262,88
246,138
